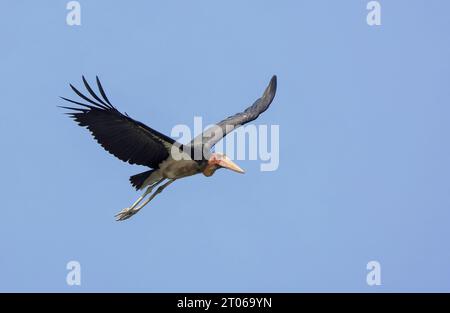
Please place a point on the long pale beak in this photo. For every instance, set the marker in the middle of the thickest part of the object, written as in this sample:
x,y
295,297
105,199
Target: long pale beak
x,y
227,163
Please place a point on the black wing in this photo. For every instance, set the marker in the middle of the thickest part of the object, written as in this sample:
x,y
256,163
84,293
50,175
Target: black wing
x,y
214,134
127,139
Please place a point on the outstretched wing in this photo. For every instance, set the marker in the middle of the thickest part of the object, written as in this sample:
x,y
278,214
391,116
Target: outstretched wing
x,y
214,134
127,139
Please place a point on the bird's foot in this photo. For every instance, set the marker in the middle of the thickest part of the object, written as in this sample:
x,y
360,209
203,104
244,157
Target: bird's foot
x,y
125,214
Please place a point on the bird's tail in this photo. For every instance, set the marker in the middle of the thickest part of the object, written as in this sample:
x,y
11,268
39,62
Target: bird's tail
x,y
138,180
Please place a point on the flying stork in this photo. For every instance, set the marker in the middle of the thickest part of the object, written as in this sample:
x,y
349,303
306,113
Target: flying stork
x,y
136,143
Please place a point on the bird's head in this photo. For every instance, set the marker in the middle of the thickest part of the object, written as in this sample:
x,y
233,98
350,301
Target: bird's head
x,y
219,160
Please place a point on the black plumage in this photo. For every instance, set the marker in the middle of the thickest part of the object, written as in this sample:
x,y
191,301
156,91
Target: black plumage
x,y
214,134
127,139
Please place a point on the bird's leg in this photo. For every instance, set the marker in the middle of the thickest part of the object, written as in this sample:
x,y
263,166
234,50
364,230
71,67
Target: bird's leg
x,y
128,212
158,191
149,190
135,210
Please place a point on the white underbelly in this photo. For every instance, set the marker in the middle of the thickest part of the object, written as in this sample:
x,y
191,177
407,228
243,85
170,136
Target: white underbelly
x,y
176,169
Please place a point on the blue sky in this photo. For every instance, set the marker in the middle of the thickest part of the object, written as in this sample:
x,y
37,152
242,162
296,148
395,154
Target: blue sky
x,y
364,156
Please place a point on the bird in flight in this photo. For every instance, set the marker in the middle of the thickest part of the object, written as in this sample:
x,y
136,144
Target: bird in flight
x,y
136,143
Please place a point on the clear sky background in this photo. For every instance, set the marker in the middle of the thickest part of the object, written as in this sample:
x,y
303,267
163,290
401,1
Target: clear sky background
x,y
364,115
